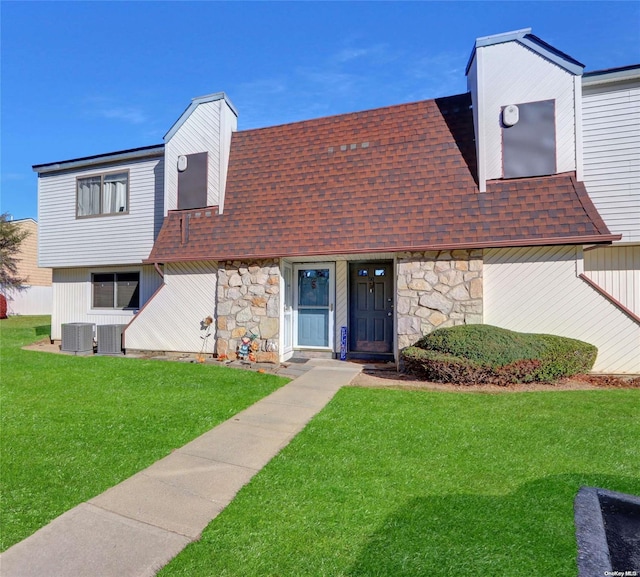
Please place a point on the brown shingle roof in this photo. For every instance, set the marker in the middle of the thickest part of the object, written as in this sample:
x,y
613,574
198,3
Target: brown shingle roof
x,y
396,178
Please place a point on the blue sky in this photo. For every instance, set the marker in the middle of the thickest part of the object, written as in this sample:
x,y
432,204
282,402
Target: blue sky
x,y
84,78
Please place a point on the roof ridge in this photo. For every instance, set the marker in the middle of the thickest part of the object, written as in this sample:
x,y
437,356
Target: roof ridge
x,y
320,119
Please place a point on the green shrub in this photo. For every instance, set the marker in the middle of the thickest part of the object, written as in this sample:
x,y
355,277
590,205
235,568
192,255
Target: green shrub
x,y
470,354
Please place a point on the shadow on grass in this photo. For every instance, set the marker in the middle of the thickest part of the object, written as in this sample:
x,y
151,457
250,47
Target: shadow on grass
x,y
528,532
43,330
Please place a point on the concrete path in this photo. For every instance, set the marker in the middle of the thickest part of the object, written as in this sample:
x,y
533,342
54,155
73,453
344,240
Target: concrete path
x,y
138,526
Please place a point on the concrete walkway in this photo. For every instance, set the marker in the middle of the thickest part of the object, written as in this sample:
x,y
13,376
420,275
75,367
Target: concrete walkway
x,y
138,526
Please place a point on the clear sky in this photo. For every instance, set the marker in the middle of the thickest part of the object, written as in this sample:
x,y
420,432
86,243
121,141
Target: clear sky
x,y
85,78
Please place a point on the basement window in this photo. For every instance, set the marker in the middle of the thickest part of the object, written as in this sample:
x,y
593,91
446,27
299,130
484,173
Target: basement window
x,y
115,290
102,194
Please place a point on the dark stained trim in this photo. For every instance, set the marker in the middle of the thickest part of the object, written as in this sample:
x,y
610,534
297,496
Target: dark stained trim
x,y
606,71
576,240
132,153
633,316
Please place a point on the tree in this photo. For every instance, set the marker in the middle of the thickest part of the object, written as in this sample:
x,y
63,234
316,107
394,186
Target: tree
x,y
11,237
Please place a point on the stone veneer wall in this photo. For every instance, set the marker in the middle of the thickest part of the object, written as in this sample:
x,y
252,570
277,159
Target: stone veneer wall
x,y
437,289
248,304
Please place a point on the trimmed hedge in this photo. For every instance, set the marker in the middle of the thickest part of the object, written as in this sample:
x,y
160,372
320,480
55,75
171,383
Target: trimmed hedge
x,y
469,354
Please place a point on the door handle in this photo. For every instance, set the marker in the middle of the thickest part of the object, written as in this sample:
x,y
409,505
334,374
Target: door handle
x,y
331,307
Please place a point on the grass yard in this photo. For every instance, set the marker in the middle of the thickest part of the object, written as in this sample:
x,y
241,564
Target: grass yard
x,y
411,483
71,427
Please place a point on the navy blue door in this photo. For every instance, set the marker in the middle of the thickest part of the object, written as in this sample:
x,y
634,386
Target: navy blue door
x,y
371,307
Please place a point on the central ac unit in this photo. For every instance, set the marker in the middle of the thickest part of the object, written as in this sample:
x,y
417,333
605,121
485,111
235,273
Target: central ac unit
x,y
77,337
110,339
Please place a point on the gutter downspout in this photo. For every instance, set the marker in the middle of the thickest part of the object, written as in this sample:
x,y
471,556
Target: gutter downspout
x,y
158,270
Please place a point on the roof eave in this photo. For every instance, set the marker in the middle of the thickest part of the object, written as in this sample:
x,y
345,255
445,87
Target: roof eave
x,y
543,241
620,74
195,102
532,42
100,159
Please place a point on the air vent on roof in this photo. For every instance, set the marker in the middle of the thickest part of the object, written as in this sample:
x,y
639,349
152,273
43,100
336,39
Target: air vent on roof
x,y
345,147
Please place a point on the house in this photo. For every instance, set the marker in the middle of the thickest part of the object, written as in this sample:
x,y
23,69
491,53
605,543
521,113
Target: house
x,y
515,204
35,296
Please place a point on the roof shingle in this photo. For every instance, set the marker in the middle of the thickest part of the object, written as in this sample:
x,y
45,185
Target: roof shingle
x,y
395,178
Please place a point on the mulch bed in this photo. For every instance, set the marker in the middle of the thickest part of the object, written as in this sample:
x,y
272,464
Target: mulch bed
x,y
386,378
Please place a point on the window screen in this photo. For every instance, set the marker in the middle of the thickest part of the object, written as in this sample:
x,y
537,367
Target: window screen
x,y
127,290
103,291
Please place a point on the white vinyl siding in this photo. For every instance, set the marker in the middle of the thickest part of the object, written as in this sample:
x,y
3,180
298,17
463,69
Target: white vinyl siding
x,y
611,129
510,73
123,238
207,129
616,270
72,296
537,290
170,321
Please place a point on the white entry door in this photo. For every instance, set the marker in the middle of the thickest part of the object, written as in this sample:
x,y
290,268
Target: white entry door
x,y
314,298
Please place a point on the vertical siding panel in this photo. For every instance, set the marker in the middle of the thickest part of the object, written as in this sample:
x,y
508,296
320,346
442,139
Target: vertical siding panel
x,y
72,297
616,269
537,290
32,300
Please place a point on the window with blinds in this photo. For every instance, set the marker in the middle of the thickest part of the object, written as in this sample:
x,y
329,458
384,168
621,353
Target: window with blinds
x,y
120,290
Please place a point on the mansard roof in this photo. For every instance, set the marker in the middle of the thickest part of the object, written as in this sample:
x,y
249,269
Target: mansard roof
x,y
400,178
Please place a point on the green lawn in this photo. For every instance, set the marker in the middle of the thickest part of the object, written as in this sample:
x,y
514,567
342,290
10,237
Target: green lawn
x,y
71,427
382,482
410,483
